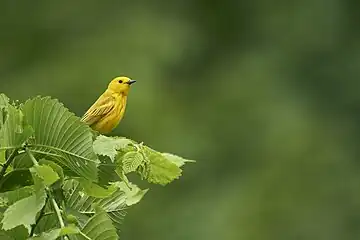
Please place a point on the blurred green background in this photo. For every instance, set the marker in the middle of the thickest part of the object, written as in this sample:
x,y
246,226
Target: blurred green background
x,y
263,94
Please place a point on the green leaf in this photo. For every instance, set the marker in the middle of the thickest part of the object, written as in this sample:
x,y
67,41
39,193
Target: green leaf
x,y
4,236
51,235
16,179
60,134
54,166
117,218
80,203
131,161
133,193
22,161
100,227
14,131
94,190
159,169
74,217
69,230
20,232
46,223
23,212
108,146
2,155
4,102
78,200
10,197
107,172
179,161
55,233
46,173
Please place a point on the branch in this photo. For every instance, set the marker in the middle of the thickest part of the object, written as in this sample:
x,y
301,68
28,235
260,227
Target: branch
x,y
57,211
8,162
86,237
42,214
48,192
58,214
33,159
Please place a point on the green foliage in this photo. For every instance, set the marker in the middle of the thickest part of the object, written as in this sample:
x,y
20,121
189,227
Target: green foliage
x,y
130,156
10,197
55,233
60,135
14,131
46,173
81,205
15,179
24,211
131,161
99,227
132,192
106,146
159,169
179,161
56,180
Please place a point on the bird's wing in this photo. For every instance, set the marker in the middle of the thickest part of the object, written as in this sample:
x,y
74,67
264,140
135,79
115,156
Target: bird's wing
x,y
99,109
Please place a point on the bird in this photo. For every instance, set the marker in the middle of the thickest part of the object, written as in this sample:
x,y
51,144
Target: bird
x,y
108,110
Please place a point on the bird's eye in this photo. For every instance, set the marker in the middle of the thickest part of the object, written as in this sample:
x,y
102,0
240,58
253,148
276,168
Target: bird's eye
x,y
120,81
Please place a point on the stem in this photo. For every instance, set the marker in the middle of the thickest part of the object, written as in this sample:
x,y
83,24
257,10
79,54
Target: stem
x,y
42,214
57,211
82,234
58,214
7,163
49,194
33,159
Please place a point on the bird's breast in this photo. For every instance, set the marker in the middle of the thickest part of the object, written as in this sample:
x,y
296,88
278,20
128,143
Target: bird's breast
x,y
112,119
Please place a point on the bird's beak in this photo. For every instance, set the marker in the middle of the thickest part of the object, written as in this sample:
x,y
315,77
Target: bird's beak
x,y
131,81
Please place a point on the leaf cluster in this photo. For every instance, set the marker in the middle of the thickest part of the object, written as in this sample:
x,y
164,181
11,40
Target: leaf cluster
x,y
58,180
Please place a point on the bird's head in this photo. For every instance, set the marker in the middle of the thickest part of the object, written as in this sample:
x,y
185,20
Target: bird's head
x,y
120,85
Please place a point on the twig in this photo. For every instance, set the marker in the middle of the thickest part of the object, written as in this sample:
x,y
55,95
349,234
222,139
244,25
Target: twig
x,y
49,194
7,163
58,214
57,211
42,214
84,235
33,159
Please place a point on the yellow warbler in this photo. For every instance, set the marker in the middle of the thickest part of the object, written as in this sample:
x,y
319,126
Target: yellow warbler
x,y
105,114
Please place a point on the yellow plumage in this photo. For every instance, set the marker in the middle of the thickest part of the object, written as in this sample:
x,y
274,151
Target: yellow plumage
x,y
106,113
